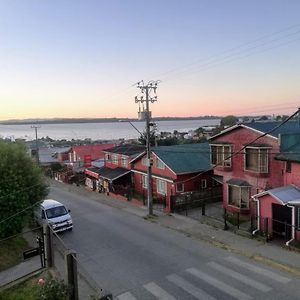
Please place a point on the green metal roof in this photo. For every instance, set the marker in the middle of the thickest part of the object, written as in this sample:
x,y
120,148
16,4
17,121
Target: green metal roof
x,y
186,158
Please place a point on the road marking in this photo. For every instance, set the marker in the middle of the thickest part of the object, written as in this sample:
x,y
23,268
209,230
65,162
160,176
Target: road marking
x,y
233,292
242,278
126,296
190,288
158,292
258,270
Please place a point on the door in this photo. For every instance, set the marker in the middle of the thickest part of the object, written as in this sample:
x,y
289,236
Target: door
x,y
282,220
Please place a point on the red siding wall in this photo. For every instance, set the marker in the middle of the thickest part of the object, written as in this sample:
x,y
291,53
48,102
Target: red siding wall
x,y
239,137
294,176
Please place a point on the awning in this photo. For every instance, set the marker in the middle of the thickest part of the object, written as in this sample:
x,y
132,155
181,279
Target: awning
x,y
238,182
218,178
93,172
112,174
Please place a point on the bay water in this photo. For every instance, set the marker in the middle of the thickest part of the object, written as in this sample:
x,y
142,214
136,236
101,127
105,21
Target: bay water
x,y
99,131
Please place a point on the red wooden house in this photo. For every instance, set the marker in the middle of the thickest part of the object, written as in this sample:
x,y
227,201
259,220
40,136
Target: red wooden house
x,y
278,209
254,169
115,175
175,170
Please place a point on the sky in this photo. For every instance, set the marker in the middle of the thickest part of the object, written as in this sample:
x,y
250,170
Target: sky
x,y
65,59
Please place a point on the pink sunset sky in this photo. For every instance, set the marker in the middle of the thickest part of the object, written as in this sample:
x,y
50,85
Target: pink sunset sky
x,y
81,59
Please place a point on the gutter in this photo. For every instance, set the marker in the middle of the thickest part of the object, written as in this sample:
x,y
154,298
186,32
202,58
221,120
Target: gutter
x,y
293,225
258,216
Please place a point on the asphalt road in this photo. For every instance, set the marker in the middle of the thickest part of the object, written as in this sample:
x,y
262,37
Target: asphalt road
x,y
137,259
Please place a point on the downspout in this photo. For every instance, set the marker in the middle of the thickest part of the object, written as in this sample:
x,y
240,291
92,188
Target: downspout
x,y
258,216
293,225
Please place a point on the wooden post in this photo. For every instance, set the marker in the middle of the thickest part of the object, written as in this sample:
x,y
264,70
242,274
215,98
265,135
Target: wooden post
x,y
72,280
267,229
238,220
48,246
225,220
203,208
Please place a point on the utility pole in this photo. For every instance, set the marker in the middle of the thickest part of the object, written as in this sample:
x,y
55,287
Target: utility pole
x,y
151,86
36,143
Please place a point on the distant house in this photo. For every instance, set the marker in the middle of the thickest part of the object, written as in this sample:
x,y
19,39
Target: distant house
x,y
82,156
115,175
175,170
253,170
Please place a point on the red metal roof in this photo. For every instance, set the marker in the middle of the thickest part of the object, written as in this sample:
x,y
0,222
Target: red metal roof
x,y
96,151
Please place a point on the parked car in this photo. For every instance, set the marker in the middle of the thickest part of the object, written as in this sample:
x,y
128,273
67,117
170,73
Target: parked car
x,y
55,214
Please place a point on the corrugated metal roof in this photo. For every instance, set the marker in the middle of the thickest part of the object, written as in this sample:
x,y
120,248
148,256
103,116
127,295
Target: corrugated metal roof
x,y
288,127
186,158
286,194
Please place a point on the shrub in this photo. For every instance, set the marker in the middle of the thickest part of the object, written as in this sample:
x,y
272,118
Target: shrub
x,y
52,289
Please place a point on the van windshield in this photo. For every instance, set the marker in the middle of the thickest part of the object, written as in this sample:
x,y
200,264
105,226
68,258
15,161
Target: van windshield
x,y
56,212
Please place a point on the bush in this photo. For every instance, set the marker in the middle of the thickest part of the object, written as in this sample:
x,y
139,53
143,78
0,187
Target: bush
x,y
52,289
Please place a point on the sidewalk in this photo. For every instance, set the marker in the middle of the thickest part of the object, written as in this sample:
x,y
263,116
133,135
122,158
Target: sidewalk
x,y
257,249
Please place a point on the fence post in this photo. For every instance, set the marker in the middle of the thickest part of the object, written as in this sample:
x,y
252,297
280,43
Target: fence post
x,y
203,208
267,229
238,220
72,280
225,220
48,246
186,206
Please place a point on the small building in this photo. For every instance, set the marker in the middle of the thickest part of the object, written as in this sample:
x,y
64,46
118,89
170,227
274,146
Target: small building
x,y
115,175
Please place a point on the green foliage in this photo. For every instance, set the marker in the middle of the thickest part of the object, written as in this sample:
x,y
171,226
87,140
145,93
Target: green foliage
x,y
53,289
229,121
22,185
11,251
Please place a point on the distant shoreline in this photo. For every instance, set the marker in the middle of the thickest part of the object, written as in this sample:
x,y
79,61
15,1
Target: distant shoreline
x,y
98,120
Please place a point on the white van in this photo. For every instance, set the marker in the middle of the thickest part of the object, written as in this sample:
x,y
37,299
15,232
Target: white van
x,y
55,214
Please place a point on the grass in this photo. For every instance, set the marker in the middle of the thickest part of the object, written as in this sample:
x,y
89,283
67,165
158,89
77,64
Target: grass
x,y
26,290
11,252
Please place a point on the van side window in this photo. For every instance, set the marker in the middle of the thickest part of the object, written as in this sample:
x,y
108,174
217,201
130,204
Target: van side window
x,y
43,214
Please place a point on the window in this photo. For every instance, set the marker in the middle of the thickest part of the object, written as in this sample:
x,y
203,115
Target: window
x,y
203,184
238,196
107,157
124,161
256,159
288,167
220,155
145,161
179,187
144,181
161,186
115,159
159,164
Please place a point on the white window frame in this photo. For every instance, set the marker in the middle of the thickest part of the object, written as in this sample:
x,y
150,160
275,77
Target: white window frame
x,y
145,161
160,164
115,159
179,190
224,161
144,182
261,168
161,186
107,156
203,183
248,188
124,161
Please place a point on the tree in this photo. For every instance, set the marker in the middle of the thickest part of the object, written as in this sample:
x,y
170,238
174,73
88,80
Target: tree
x,y
21,186
229,121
